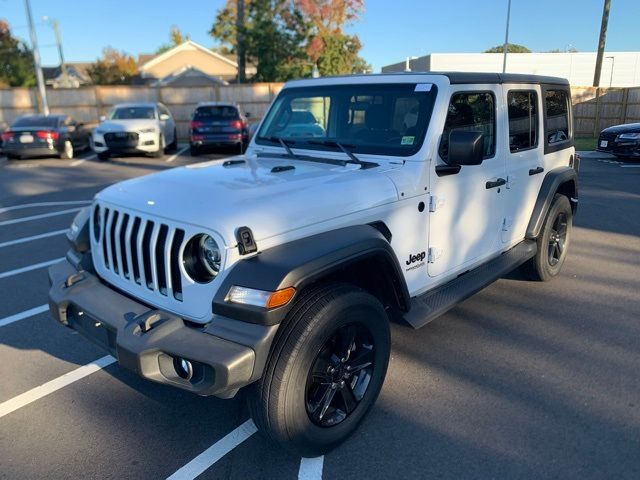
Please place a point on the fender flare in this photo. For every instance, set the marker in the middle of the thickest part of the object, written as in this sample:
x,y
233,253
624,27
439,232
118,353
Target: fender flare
x,y
564,180
302,262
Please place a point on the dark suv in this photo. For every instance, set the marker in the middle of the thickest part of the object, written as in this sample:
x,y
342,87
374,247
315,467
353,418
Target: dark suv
x,y
216,125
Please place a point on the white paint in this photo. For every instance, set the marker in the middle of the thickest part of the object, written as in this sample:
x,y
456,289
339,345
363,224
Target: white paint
x,y
18,271
43,204
56,384
22,315
629,166
215,452
38,217
32,238
311,468
177,154
80,161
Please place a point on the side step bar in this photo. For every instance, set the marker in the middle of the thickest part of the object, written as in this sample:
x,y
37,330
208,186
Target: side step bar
x,y
432,304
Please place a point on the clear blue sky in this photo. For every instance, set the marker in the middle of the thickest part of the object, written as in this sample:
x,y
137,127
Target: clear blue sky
x,y
390,30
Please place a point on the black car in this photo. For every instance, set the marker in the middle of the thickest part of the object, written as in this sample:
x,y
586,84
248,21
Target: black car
x,y
45,135
623,141
218,125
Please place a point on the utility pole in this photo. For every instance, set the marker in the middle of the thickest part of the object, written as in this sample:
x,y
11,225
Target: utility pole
x,y
36,60
601,42
505,49
240,42
63,66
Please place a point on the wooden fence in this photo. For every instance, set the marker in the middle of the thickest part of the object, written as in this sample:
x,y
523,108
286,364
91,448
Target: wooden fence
x,y
87,104
594,109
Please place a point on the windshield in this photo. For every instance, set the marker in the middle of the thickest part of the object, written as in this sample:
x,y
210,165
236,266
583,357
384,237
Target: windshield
x,y
384,119
129,113
218,112
38,121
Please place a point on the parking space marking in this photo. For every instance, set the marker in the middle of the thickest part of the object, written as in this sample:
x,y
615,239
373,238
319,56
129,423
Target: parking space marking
x,y
38,217
43,204
177,154
22,315
215,452
56,384
629,166
18,271
32,238
311,468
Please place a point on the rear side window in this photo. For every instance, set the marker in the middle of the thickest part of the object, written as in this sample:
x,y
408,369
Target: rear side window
x,y
523,120
557,121
471,112
217,112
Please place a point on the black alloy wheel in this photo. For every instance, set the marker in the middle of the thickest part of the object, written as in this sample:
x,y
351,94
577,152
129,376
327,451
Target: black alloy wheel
x,y
340,375
557,239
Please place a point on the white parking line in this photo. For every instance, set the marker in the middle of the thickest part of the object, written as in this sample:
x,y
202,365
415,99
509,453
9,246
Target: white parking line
x,y
34,237
38,217
18,271
177,154
215,452
43,204
629,166
22,315
81,160
56,384
311,468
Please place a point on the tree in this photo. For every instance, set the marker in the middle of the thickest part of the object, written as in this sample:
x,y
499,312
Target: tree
x,y
175,38
512,48
274,34
114,68
335,52
16,67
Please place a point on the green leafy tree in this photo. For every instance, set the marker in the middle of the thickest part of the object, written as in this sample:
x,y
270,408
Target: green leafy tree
x,y
16,64
114,68
512,48
175,38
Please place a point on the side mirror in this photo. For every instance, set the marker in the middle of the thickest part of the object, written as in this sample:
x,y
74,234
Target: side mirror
x,y
252,129
164,117
103,118
465,148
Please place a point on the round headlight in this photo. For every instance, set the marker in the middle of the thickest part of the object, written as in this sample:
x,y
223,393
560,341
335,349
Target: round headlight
x,y
202,258
97,227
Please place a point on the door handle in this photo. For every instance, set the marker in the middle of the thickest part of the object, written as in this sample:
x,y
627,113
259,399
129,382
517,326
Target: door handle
x,y
495,183
535,171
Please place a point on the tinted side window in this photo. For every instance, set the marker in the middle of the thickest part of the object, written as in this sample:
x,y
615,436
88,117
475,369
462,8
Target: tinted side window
x,y
471,112
557,121
523,120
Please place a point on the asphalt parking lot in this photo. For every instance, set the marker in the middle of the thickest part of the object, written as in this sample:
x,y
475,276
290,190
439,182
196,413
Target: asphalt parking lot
x,y
523,380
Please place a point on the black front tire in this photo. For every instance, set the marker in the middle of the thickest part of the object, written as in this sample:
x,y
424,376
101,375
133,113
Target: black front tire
x,y
194,151
553,242
280,401
173,146
103,156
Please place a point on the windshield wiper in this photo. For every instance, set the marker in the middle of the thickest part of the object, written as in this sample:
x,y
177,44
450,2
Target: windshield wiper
x,y
346,148
286,144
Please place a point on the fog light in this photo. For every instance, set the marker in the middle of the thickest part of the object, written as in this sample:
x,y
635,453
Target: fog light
x,y
183,367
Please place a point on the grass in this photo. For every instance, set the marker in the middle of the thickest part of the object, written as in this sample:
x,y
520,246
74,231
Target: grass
x,y
588,143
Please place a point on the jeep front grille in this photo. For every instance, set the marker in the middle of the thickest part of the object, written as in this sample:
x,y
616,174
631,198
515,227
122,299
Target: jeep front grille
x,y
142,251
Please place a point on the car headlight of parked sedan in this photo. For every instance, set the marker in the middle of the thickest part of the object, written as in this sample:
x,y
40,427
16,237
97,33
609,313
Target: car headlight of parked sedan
x,y
629,136
148,130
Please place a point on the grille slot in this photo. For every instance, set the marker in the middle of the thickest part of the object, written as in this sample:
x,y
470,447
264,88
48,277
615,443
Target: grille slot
x,y
141,251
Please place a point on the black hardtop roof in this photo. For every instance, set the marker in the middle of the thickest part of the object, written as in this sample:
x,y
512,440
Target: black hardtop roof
x,y
483,77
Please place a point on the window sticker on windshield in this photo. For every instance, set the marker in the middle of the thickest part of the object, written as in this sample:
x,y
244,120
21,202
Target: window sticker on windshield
x,y
407,140
423,87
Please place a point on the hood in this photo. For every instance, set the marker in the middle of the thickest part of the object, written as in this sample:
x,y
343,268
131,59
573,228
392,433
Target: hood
x,y
127,125
627,128
223,197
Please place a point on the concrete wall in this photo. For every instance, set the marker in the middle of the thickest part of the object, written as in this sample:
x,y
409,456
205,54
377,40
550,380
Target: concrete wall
x,y
87,104
619,69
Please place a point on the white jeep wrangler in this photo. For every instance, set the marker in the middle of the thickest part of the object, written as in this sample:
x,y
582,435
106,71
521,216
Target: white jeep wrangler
x,y
360,200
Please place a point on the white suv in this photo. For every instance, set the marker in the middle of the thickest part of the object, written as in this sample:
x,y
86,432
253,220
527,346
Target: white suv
x,y
360,200
135,128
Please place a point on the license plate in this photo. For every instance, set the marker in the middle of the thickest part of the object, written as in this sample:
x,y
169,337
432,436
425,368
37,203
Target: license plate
x,y
26,138
604,143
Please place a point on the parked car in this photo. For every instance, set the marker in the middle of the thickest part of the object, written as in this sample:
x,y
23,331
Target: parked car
x,y
45,135
135,128
623,141
281,269
216,125
4,126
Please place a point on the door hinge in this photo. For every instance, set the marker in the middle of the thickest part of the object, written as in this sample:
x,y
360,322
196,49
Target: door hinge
x,y
435,203
434,254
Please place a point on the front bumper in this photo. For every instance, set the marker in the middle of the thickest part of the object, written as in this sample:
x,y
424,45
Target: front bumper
x,y
146,143
147,341
625,149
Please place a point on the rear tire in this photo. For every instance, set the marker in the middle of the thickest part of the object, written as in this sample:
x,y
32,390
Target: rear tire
x,y
553,242
103,156
194,151
311,398
67,150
